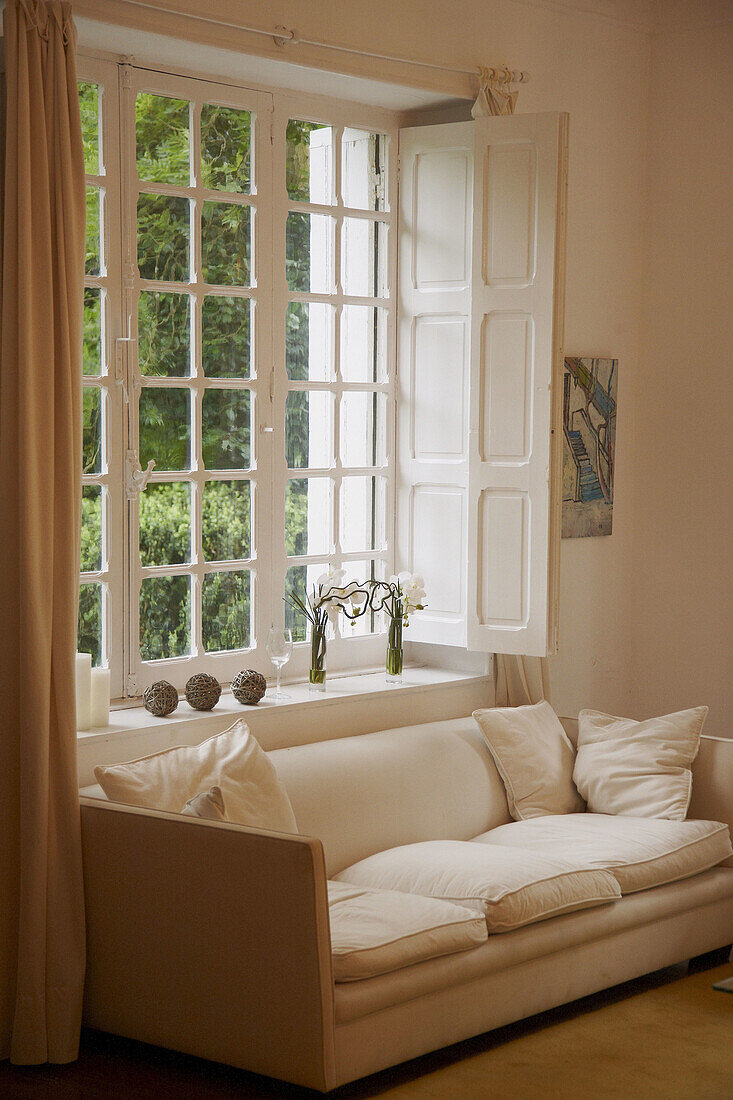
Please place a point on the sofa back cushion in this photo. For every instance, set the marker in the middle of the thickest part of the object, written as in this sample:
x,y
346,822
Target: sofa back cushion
x,y
360,795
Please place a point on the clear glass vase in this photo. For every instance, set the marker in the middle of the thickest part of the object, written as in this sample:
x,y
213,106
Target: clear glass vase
x,y
395,652
317,674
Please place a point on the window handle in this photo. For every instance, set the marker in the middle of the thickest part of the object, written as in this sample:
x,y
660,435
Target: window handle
x,y
136,478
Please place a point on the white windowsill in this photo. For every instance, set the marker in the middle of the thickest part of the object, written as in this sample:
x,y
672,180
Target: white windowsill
x,y
339,690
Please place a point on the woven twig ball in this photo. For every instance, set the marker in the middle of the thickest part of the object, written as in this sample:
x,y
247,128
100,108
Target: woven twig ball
x,y
203,691
248,687
160,698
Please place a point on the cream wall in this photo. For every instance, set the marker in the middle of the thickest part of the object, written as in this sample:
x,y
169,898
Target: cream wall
x,y
644,625
682,578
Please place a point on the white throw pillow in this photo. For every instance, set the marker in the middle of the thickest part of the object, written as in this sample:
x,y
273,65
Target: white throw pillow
x,y
638,769
206,804
640,852
534,757
511,888
377,931
232,760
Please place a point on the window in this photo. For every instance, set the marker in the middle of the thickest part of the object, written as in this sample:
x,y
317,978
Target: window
x,y
238,360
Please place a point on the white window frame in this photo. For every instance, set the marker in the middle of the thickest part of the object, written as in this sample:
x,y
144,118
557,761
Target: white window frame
x,y
268,383
111,574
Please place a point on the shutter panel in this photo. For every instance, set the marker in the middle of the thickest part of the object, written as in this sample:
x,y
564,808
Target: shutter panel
x,y
436,229
481,264
516,363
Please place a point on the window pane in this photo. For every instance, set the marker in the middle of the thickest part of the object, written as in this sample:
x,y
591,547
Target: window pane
x,y
362,513
93,262
309,429
165,428
89,108
364,258
309,341
226,611
165,524
91,528
226,244
164,334
91,430
226,520
165,617
225,345
300,579
309,252
309,163
363,429
227,416
92,346
369,623
162,138
363,344
225,148
89,631
363,177
308,512
163,233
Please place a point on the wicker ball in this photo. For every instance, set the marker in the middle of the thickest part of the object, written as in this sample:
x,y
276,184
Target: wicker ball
x,y
203,691
160,698
248,687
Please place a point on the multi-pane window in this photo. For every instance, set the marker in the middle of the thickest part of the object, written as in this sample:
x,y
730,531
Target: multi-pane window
x,y
101,532
246,298
337,388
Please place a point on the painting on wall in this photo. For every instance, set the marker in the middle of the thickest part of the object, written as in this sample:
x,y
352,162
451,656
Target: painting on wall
x,y
589,446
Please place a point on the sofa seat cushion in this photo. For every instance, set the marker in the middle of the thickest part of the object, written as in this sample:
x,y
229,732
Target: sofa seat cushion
x,y
641,852
509,888
376,931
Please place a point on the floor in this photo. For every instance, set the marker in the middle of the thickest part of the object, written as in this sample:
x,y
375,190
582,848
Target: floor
x,y
666,1036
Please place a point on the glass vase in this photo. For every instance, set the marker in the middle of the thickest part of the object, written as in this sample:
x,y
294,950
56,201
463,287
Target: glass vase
x,y
395,653
317,674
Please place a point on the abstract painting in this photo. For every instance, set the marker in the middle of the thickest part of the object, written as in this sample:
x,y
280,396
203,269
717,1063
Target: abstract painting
x,y
589,446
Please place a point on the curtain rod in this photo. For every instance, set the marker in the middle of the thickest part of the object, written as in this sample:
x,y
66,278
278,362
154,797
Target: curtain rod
x,y
284,36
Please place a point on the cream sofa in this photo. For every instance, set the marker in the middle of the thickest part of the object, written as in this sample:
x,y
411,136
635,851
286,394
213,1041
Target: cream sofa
x,y
213,939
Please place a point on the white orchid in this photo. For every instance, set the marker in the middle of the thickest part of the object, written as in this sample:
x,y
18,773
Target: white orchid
x,y
410,590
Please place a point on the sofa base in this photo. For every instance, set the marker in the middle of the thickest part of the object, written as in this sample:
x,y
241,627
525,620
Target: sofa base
x,y
397,1033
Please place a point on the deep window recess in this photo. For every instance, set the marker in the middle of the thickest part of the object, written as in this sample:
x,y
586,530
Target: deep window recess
x,y
240,264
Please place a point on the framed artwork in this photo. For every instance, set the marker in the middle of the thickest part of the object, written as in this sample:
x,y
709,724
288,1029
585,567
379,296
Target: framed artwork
x,y
589,446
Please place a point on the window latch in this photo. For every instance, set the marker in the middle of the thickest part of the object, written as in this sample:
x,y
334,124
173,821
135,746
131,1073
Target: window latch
x,y
135,477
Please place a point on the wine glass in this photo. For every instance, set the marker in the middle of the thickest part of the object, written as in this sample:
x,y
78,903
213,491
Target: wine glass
x,y
279,650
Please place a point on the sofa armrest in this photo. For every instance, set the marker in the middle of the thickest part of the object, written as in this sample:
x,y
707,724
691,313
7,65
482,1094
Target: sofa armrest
x,y
712,782
209,938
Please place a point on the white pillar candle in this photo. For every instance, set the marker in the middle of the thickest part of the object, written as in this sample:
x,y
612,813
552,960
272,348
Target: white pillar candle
x,y
83,690
100,697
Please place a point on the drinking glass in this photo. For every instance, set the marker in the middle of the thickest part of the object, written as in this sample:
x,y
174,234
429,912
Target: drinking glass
x,y
279,650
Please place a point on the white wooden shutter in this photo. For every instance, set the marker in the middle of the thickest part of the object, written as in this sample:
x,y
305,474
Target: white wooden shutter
x,y
480,356
436,228
516,378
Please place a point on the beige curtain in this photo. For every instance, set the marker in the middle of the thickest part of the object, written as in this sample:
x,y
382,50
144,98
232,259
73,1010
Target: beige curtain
x,y
520,680
42,939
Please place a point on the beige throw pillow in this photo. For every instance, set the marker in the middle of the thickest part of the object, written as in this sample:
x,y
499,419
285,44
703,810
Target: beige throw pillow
x,y
207,804
638,769
534,757
232,761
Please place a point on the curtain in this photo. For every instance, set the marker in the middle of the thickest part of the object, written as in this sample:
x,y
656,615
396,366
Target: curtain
x,y
520,680
42,229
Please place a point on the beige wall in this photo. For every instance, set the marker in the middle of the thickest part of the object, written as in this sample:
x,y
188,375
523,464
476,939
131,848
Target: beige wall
x,y
682,455
644,626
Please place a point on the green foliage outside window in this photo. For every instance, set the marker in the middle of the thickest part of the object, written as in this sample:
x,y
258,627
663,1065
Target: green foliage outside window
x,y
164,328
